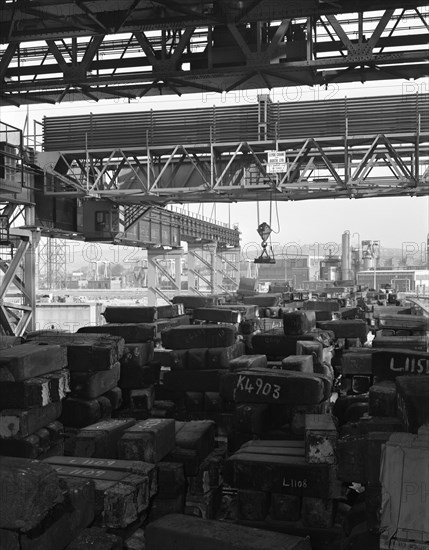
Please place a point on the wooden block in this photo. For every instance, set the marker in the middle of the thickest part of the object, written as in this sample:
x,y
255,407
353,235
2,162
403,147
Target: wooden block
x,y
135,541
318,512
24,422
59,384
299,412
44,439
356,410
404,504
134,377
138,467
306,347
247,362
204,506
105,407
252,505
275,343
169,311
161,507
9,540
29,489
101,440
263,300
188,457
252,418
298,322
78,413
30,361
298,363
320,439
26,447
357,362
33,392
193,380
175,359
272,386
183,532
85,351
325,305
398,321
171,479
193,302
142,399
120,496
382,398
283,474
130,314
209,475
413,401
285,507
90,385
203,336
344,328
9,341
390,363
213,402
194,401
361,384
196,435
399,543
150,440
248,311
65,521
197,358
96,538
115,397
137,354
417,343
220,358
130,332
216,315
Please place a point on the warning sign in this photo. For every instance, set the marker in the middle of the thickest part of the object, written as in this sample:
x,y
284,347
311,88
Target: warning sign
x,y
276,162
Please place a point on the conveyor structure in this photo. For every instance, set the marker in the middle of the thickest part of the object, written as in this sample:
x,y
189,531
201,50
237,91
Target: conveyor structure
x,y
358,147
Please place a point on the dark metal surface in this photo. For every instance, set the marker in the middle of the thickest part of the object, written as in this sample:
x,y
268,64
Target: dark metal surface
x,y
95,50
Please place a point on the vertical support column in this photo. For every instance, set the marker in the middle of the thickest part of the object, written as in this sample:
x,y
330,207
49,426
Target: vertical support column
x,y
157,274
229,268
151,277
202,268
178,271
29,273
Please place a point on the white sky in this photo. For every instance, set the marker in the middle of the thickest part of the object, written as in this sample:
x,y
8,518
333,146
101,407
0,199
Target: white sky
x,y
392,221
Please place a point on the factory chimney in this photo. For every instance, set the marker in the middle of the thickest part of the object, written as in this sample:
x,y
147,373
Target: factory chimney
x,y
346,260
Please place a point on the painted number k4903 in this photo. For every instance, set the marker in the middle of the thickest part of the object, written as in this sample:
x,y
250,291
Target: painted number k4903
x,y
257,386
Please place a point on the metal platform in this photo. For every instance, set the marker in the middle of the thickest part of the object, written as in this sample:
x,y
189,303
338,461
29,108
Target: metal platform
x,y
338,148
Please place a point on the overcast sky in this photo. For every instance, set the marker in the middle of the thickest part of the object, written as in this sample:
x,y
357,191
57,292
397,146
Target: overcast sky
x,y
392,221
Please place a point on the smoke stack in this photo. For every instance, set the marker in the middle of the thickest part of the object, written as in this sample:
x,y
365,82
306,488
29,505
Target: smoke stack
x,y
346,260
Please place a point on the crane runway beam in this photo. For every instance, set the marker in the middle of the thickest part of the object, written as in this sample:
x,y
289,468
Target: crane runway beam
x,y
131,52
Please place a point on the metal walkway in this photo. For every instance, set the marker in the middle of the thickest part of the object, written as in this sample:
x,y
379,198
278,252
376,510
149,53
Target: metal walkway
x,y
338,148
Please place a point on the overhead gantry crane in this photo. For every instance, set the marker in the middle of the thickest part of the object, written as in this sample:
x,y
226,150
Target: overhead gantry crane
x,y
136,48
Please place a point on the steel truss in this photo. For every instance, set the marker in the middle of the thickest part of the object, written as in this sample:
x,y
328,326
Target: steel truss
x,y
330,167
83,53
52,262
17,286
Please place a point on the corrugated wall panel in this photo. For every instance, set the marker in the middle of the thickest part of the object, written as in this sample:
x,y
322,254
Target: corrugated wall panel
x,y
366,116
